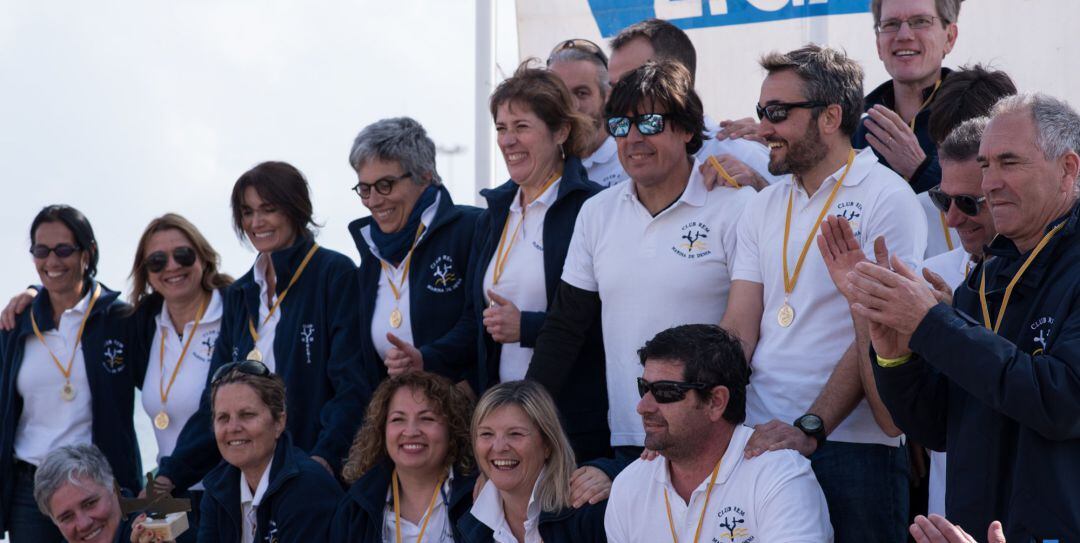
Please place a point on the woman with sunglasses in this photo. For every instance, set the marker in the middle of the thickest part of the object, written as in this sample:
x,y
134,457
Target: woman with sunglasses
x,y
295,311
63,377
266,489
414,248
521,447
410,465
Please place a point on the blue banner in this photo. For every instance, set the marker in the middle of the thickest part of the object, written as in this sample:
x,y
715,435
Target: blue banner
x,y
614,15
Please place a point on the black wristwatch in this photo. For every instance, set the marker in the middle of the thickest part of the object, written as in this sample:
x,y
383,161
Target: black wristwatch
x,y
813,426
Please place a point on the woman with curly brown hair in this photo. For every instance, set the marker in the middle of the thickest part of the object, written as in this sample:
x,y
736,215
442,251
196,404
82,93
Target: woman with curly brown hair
x,y
410,465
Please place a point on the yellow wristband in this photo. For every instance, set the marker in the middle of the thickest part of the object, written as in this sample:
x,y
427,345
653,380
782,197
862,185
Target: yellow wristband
x,y
893,362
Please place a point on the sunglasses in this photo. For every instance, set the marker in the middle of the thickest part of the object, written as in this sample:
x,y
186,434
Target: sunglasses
x,y
156,261
668,391
585,46
648,124
383,186
967,204
778,112
247,367
62,250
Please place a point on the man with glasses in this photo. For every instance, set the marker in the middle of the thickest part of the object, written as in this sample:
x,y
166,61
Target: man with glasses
x,y
795,325
657,250
693,402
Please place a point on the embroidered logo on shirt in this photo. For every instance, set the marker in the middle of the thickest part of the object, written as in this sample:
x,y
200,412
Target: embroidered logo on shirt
x,y
693,241
444,275
113,359
307,335
730,522
1040,329
205,350
851,212
272,533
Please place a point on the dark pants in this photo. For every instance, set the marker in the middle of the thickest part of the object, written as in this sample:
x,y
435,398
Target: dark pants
x,y
866,488
26,524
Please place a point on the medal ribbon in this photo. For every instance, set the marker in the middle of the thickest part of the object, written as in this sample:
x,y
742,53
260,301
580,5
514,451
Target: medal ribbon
x,y
1012,283
292,281
701,519
501,256
82,326
427,516
162,389
723,173
790,280
396,289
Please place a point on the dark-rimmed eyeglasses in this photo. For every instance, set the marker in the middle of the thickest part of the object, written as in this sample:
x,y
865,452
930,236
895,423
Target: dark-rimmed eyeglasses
x,y
648,124
777,112
917,22
967,204
249,367
579,44
668,391
62,250
158,260
383,186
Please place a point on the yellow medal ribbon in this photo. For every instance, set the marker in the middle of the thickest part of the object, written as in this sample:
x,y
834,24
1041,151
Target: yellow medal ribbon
x,y
501,255
161,421
255,354
945,228
723,173
787,313
397,511
1016,278
67,392
395,315
701,519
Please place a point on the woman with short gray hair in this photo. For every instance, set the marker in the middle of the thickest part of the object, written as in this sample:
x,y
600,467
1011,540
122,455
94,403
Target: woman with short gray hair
x,y
414,249
74,486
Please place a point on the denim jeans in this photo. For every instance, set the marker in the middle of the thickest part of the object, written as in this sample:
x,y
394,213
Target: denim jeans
x,y
26,524
866,488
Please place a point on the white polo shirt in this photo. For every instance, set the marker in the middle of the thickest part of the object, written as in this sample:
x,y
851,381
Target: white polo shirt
x,y
522,280
266,331
652,273
791,365
47,421
936,229
249,504
749,152
771,498
488,509
603,166
439,528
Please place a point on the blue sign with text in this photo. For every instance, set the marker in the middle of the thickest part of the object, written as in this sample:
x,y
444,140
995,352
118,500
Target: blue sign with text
x,y
614,15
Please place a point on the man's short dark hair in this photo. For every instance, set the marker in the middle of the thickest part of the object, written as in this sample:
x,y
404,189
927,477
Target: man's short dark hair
x,y
709,355
667,40
965,94
962,144
661,84
828,75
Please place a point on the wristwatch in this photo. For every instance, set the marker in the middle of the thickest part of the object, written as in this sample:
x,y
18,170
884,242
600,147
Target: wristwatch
x,y
813,426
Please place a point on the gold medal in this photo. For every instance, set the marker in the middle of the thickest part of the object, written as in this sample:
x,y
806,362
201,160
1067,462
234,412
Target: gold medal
x,y
255,355
161,421
396,318
67,392
786,315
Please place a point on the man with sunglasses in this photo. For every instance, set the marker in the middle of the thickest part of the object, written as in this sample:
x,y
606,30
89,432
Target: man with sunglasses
x,y
702,487
795,325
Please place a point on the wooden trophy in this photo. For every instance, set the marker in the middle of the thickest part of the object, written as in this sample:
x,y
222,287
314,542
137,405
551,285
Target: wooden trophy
x,y
166,516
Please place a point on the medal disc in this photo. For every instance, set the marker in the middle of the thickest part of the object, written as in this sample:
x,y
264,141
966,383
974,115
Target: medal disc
x,y
255,355
395,318
161,421
786,315
67,392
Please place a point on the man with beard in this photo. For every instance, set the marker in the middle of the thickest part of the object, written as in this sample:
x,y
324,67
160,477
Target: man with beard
x,y
795,325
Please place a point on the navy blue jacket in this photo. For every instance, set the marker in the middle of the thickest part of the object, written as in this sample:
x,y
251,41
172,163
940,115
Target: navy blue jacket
x,y
112,387
297,506
570,525
316,352
1005,406
440,264
928,174
583,401
359,517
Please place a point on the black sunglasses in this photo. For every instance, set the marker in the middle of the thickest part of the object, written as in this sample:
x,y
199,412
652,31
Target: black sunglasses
x,y
248,367
578,44
778,112
382,186
156,261
62,250
649,124
967,204
668,391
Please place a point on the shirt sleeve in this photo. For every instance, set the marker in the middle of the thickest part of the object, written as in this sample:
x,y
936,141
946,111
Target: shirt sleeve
x,y
578,270
614,519
899,218
730,236
793,508
747,265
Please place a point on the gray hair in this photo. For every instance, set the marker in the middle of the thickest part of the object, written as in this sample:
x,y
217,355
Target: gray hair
x,y
603,80
828,76
947,10
401,140
1057,126
962,144
69,464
